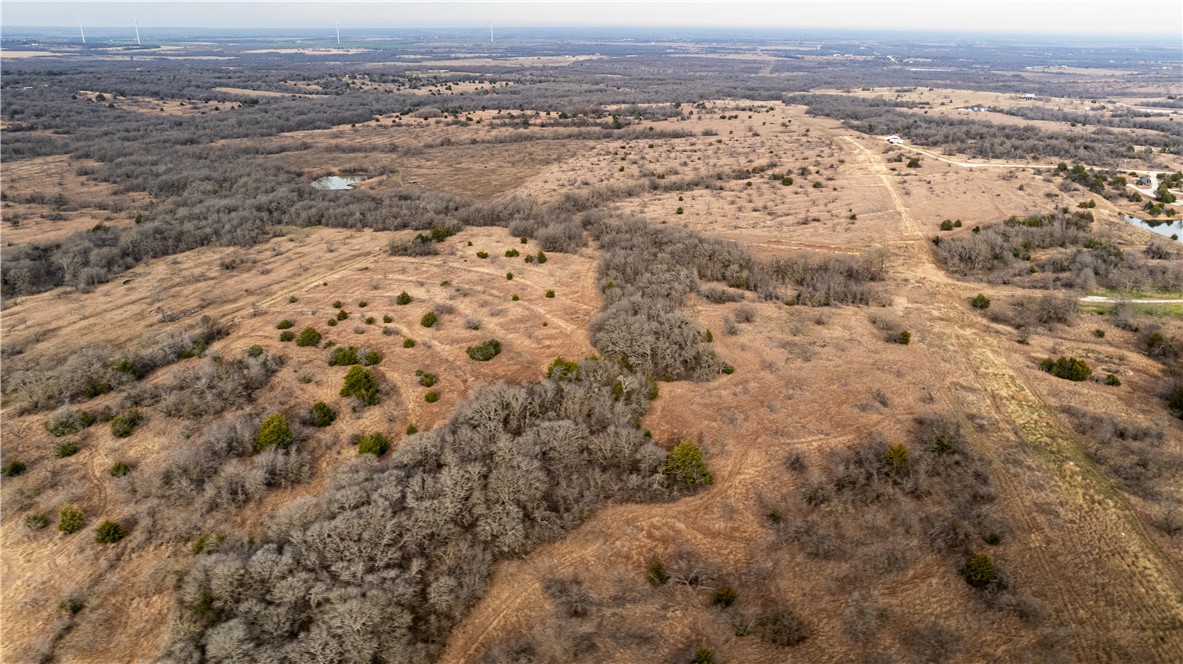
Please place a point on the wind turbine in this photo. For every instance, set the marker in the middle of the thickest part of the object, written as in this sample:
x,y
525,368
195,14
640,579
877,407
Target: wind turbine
x,y
82,31
338,33
137,25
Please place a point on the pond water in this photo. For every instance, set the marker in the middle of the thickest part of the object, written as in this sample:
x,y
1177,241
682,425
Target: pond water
x,y
338,181
1163,228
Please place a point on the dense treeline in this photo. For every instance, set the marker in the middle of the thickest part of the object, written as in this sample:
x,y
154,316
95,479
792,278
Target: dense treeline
x,y
1101,147
49,380
1074,257
830,279
646,272
386,562
1127,119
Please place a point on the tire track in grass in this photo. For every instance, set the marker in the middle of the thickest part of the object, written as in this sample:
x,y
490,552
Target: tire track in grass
x,y
1126,595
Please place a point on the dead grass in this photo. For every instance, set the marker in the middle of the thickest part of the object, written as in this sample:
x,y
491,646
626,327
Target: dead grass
x,y
806,380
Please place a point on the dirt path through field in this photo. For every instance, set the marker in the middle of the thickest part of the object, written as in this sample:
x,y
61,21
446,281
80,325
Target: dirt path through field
x,y
1118,594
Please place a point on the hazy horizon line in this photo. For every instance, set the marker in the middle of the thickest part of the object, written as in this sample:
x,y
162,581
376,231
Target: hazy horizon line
x,y
943,32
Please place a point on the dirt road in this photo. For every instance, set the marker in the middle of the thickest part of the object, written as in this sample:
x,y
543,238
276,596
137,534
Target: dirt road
x,y
1119,586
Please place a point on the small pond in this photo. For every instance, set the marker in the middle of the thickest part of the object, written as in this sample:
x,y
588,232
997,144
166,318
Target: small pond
x,y
338,181
1163,228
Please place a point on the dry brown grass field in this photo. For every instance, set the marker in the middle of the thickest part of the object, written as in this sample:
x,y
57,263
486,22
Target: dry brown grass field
x,y
1095,578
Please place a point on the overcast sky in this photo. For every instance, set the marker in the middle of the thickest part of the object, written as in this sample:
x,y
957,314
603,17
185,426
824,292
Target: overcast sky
x,y
1158,19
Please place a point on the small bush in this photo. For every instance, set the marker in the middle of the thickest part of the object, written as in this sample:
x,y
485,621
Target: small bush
x,y
255,351
321,414
129,368
119,469
509,276
745,314
387,318
109,532
979,570
371,358
947,225
403,298
540,257
514,297
704,656
1113,380
362,304
342,314
66,449
903,338
71,605
896,458
914,162
429,319
361,384
550,294
287,335
308,337
370,320
980,302
37,521
412,429
523,240
408,343
123,425
1099,333
685,466
332,322
343,356
993,539
373,443
274,433
482,254
1068,368
1175,401
14,468
67,420
485,351
207,543
656,574
426,378
562,369
724,597
512,253
431,397
70,519
678,211
337,304
284,324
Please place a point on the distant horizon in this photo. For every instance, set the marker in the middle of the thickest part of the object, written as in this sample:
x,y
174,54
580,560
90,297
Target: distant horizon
x,y
506,31
1152,19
